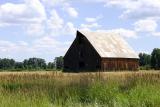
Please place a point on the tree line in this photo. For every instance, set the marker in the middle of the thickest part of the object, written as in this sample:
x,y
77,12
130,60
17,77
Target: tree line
x,y
146,62
150,61
31,64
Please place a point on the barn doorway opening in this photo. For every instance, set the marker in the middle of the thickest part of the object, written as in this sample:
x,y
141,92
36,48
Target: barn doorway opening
x,y
81,65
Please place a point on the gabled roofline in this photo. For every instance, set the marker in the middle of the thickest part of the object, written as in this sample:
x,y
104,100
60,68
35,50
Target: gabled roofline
x,y
71,45
89,43
87,40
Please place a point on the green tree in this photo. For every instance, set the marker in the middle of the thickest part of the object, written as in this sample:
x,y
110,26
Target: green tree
x,y
34,63
7,64
19,65
155,59
59,62
25,64
145,59
51,65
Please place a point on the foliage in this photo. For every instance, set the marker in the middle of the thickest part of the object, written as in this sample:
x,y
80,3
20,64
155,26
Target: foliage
x,y
59,62
19,65
7,63
34,63
155,60
27,64
51,65
145,59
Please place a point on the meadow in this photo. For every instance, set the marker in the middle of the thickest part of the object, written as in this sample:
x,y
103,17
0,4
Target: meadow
x,y
57,89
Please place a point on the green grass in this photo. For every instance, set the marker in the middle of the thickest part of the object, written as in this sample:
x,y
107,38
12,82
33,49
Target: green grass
x,y
118,89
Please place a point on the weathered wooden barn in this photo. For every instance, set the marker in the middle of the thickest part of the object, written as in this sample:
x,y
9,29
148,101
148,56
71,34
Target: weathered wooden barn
x,y
91,51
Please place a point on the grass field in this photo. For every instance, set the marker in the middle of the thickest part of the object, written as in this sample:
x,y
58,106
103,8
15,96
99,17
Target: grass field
x,y
55,89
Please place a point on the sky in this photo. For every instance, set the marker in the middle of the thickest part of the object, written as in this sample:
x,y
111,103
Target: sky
x,y
46,28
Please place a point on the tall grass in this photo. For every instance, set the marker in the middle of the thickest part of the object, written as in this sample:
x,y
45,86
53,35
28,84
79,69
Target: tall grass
x,y
55,89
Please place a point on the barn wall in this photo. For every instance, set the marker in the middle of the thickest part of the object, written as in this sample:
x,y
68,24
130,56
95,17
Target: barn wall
x,y
71,57
112,64
81,56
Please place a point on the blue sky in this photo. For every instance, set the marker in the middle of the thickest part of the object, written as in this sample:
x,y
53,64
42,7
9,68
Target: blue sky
x,y
46,28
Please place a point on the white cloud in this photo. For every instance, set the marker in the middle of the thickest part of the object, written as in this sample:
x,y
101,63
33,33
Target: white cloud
x,y
85,29
11,49
37,48
53,3
23,43
37,29
36,21
55,21
70,10
5,46
134,9
156,34
44,45
53,26
137,9
45,42
69,29
22,46
146,25
126,33
31,11
123,32
30,15
147,12
90,26
93,19
56,25
89,19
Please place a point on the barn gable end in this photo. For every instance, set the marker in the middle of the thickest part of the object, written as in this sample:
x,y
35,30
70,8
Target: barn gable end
x,y
82,55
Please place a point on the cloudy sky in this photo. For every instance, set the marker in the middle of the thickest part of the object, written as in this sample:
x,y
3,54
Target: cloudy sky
x,y
46,28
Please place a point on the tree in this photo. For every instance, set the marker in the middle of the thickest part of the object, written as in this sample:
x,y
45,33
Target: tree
x,y
155,59
19,65
7,63
145,59
51,65
34,63
25,64
59,62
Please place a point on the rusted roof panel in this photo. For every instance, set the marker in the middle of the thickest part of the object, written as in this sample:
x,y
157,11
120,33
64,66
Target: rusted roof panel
x,y
110,45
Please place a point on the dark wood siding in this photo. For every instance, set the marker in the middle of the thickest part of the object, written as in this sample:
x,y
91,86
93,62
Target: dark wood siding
x,y
81,56
112,64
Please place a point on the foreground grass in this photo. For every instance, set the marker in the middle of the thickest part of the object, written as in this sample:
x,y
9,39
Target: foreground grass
x,y
53,89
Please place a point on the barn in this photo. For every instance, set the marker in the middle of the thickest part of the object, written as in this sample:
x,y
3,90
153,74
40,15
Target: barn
x,y
92,51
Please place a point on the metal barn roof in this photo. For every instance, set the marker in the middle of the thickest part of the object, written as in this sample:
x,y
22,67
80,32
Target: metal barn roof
x,y
110,45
